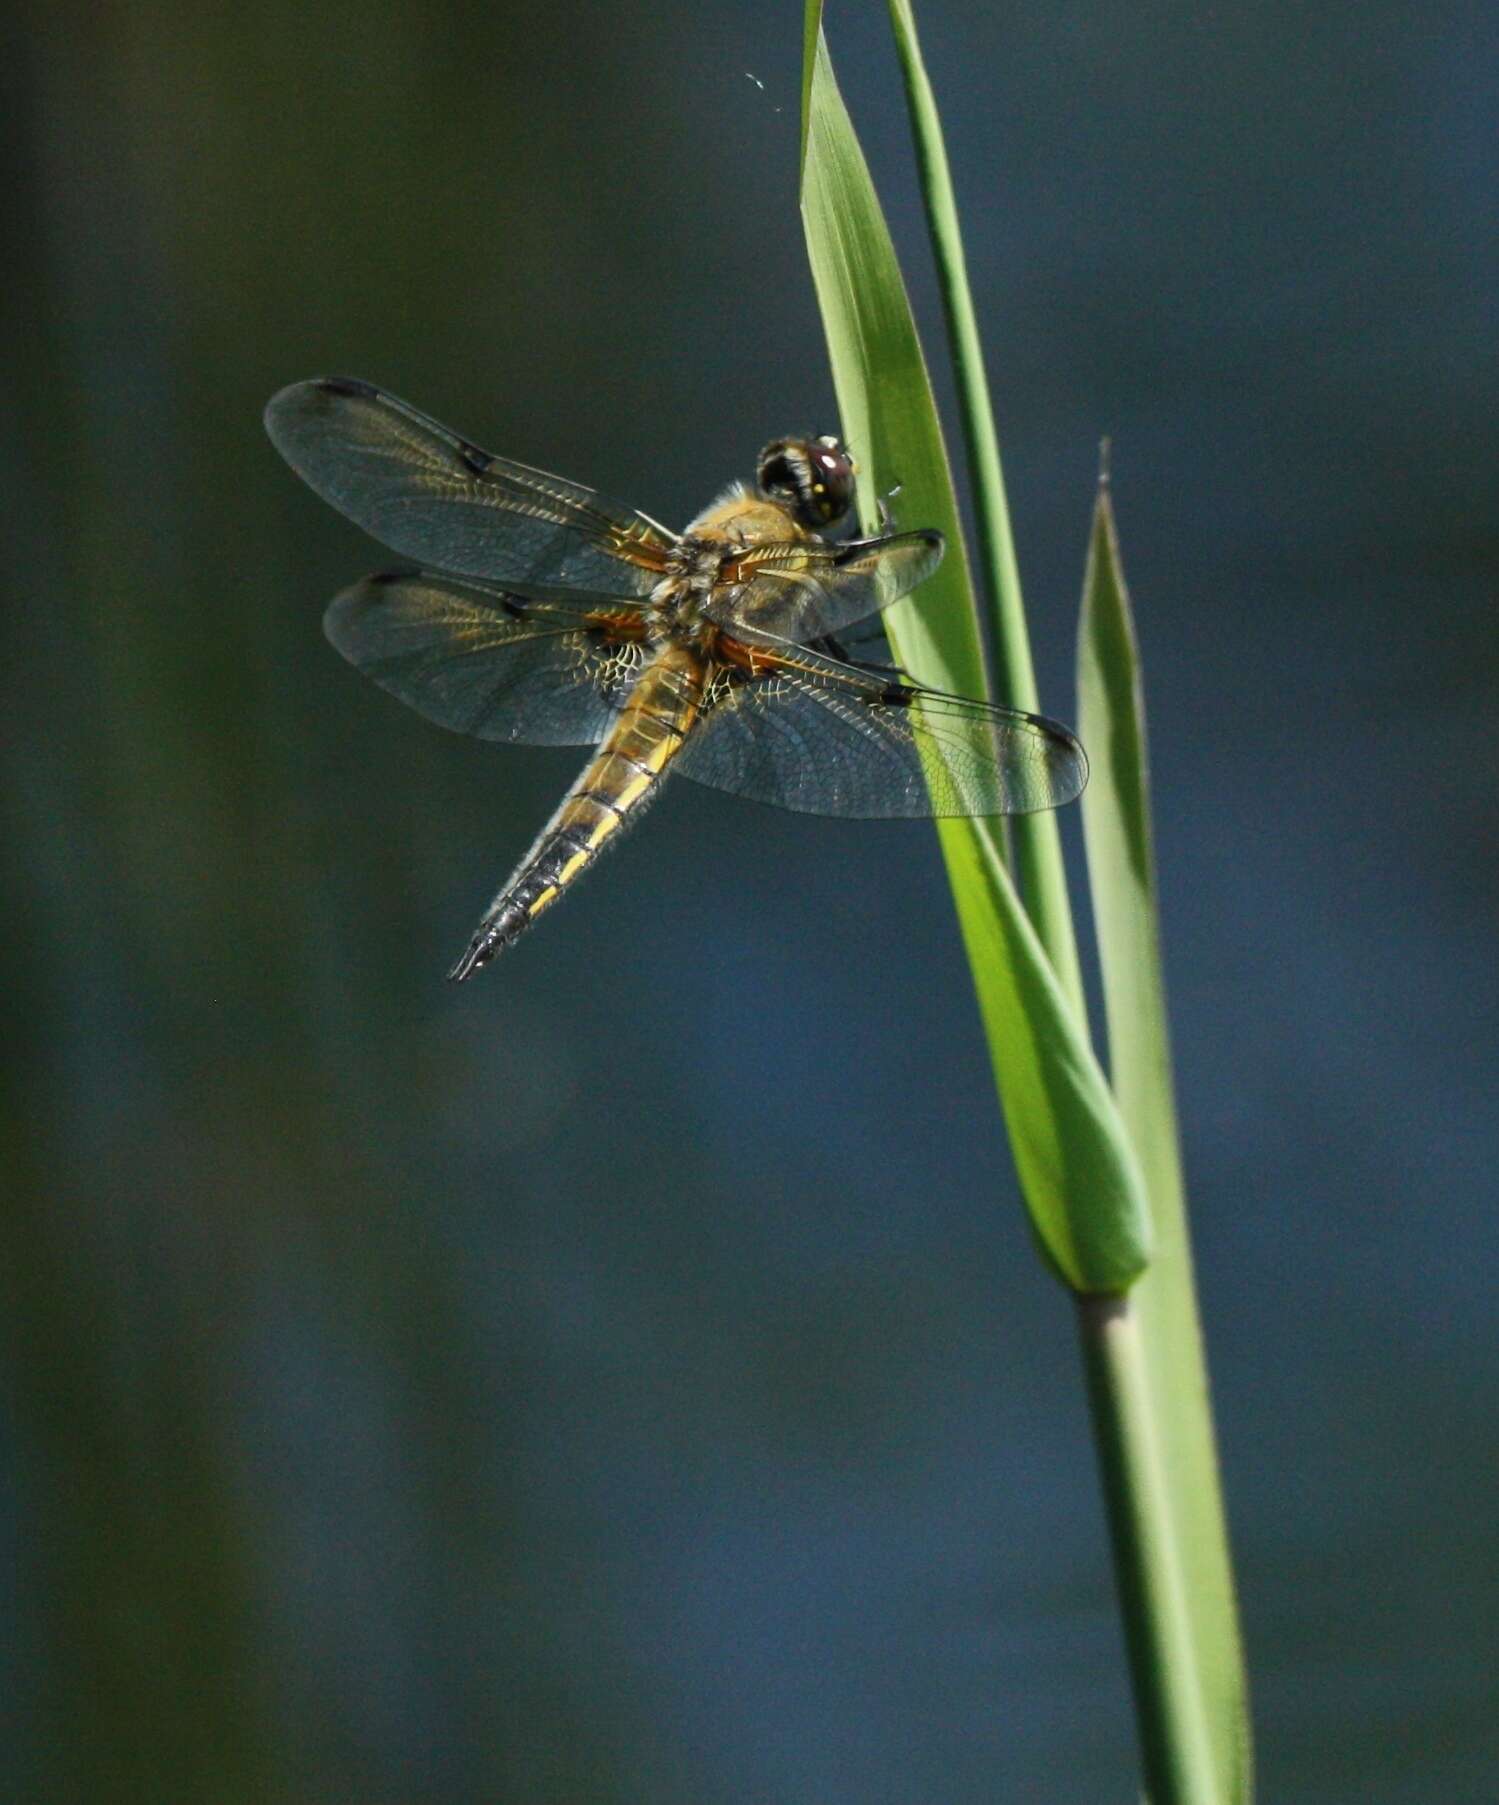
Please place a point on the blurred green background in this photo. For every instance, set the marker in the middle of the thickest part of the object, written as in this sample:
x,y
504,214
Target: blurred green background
x,y
415,1394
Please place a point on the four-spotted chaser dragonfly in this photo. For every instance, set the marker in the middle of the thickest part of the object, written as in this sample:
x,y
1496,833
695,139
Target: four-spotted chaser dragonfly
x,y
543,614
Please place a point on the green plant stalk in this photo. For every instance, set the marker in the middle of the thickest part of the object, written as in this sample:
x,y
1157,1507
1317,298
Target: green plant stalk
x,y
1079,1170
1142,1350
1153,1437
1176,1742
1035,838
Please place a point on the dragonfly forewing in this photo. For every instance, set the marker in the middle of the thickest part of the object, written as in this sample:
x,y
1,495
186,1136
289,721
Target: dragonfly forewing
x,y
804,591
433,496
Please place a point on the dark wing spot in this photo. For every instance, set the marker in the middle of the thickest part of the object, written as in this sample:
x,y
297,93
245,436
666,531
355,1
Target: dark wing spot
x,y
477,461
858,548
513,606
894,695
348,385
383,577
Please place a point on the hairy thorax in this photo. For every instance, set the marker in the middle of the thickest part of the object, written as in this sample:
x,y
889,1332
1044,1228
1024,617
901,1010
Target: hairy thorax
x,y
701,563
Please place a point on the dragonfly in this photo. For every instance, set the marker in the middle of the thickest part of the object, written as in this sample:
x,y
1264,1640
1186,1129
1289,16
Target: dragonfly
x,y
540,613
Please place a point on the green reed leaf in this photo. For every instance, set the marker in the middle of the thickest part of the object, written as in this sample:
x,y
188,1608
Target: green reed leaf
x,y
1078,1172
1121,877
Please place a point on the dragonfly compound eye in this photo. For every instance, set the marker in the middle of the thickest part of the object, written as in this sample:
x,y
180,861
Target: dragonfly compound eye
x,y
813,477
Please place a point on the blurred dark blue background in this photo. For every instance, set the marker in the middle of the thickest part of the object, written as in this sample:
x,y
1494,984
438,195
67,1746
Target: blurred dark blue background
x,y
419,1394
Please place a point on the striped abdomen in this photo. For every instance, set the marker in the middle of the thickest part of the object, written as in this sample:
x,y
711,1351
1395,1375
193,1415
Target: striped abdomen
x,y
623,775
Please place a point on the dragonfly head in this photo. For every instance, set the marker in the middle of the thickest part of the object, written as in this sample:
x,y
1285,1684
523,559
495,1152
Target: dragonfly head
x,y
813,478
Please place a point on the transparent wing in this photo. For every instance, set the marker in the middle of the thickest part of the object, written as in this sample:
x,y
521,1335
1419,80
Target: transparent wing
x,y
434,497
535,669
809,733
802,590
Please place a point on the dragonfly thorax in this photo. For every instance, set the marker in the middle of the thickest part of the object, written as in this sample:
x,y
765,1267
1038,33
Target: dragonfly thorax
x,y
695,572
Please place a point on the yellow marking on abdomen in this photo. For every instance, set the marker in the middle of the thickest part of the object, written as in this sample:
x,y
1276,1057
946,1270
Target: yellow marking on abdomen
x,y
646,742
650,731
633,789
591,815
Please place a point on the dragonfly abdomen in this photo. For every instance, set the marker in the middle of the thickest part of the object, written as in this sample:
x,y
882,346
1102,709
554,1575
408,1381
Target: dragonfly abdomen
x,y
608,795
